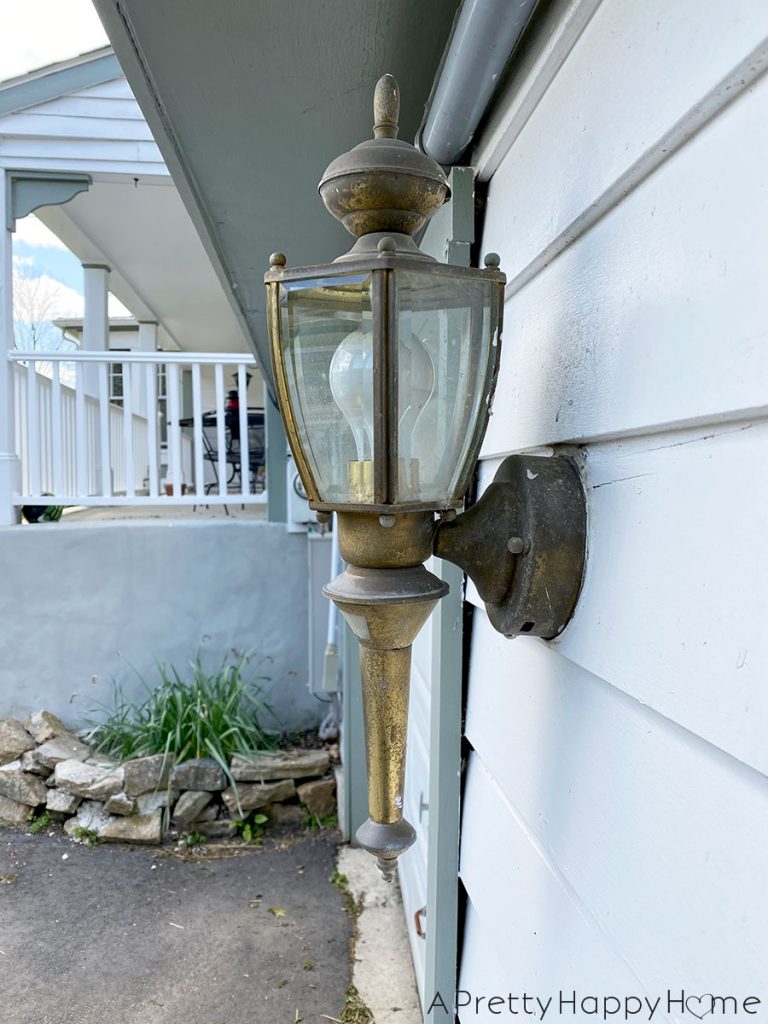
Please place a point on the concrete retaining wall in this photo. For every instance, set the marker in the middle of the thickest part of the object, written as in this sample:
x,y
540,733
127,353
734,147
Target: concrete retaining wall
x,y
78,603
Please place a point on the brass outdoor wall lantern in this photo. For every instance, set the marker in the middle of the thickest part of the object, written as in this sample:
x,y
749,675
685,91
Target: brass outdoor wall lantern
x,y
385,364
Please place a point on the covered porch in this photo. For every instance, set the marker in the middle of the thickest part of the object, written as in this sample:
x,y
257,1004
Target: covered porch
x,y
167,406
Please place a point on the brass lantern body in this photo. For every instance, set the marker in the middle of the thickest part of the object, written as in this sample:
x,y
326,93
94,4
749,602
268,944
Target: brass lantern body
x,y
385,365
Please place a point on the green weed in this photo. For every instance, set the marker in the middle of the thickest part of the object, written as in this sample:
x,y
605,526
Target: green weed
x,y
86,836
39,823
251,829
191,839
355,1011
314,823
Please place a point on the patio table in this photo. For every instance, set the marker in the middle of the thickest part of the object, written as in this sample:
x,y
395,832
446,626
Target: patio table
x,y
233,454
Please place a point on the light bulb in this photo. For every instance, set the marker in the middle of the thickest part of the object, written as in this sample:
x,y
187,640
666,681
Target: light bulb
x,y
351,380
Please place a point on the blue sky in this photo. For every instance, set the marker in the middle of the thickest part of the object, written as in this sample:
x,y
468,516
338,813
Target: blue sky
x,y
58,263
48,280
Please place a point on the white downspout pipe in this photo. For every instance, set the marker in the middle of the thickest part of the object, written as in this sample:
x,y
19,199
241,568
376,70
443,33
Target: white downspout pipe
x,y
332,665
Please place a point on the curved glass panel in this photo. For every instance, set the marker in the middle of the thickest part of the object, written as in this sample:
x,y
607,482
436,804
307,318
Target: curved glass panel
x,y
327,338
444,333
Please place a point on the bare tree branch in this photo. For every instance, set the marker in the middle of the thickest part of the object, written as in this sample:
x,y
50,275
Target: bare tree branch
x,y
36,302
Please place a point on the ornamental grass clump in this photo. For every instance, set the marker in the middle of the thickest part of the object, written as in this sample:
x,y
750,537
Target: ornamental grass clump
x,y
210,715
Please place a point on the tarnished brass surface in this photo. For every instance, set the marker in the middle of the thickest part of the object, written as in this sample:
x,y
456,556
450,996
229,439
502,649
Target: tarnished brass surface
x,y
386,842
386,108
384,184
360,479
385,608
365,542
386,679
524,544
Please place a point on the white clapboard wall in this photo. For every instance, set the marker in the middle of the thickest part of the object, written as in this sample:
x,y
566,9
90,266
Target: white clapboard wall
x,y
615,812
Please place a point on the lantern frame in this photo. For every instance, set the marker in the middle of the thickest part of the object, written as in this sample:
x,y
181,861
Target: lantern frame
x,y
383,269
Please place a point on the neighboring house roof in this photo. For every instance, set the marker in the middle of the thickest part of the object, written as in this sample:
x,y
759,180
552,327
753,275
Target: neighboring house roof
x,y
81,116
54,80
74,324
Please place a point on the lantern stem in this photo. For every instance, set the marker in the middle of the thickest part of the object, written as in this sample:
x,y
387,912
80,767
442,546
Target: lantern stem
x,y
386,608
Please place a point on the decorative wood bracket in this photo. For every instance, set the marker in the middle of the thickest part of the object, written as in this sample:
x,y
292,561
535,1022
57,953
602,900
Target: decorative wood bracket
x,y
523,544
28,190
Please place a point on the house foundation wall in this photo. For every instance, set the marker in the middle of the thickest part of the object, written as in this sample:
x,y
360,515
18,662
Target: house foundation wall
x,y
84,606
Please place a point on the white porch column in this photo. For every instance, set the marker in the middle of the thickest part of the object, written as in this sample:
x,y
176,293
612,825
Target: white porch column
x,y
95,316
96,339
10,467
147,342
147,336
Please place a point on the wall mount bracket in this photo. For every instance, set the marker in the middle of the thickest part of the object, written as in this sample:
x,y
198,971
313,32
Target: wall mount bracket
x,y
523,544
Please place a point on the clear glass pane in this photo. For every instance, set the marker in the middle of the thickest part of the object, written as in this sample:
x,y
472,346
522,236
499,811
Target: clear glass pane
x,y
327,334
444,328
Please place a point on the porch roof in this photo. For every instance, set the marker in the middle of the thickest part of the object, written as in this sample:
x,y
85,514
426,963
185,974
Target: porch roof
x,y
80,115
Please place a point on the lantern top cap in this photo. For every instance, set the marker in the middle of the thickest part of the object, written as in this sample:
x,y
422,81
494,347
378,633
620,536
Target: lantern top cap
x,y
384,184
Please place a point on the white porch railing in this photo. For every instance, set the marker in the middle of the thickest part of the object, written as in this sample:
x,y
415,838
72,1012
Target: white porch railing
x,y
171,435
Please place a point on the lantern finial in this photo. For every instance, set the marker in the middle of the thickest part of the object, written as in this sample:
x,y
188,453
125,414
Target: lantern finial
x,y
384,184
386,108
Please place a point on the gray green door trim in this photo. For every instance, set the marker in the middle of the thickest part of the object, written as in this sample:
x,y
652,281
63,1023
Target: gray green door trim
x,y
448,238
441,966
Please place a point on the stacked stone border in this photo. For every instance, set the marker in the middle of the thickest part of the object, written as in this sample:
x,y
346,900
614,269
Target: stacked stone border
x,y
45,768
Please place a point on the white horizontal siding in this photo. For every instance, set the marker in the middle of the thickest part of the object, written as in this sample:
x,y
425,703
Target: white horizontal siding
x,y
660,837
615,814
98,168
36,124
675,595
117,88
84,105
527,929
640,80
87,151
657,316
101,130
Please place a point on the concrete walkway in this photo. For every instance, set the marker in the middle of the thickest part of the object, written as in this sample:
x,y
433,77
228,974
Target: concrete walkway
x,y
140,936
103,513
383,970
